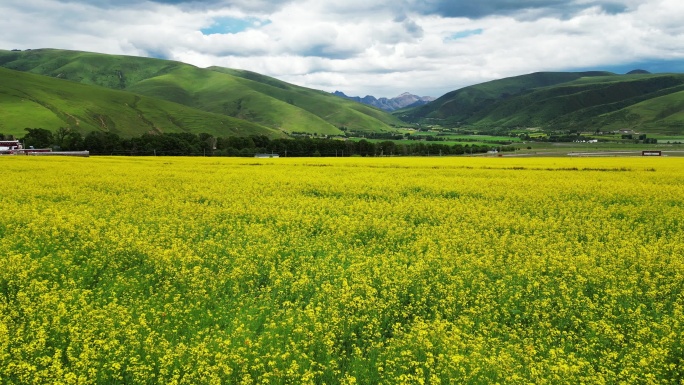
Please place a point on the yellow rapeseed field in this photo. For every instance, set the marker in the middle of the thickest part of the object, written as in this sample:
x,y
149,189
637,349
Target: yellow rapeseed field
x,y
341,271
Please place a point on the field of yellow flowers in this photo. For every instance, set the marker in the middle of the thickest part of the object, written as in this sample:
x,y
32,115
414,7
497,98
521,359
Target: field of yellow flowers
x,y
341,271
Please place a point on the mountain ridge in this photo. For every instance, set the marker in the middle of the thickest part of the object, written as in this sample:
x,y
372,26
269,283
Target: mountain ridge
x,y
37,101
180,97
595,100
405,100
255,98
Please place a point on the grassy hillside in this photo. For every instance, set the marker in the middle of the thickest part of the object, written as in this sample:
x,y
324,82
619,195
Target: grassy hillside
x,y
594,100
566,106
463,104
111,71
664,115
29,100
239,94
224,94
353,115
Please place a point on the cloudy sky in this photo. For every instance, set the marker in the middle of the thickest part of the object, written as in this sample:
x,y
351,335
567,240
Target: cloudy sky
x,y
377,47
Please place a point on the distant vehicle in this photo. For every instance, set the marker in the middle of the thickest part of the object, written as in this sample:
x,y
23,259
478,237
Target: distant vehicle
x,y
651,153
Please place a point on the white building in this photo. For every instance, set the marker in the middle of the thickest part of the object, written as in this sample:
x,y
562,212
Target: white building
x,y
8,145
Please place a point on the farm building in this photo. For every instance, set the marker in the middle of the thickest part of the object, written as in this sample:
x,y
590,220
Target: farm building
x,y
7,145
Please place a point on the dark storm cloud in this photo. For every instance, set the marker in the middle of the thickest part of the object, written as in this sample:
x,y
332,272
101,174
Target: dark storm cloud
x,y
480,9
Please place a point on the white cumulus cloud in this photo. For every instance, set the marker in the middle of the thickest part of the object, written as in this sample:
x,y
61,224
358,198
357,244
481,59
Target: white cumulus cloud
x,y
378,47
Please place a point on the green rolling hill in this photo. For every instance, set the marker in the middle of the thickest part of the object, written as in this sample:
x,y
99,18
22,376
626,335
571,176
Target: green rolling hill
x,y
664,114
353,116
133,95
29,100
576,101
266,102
468,103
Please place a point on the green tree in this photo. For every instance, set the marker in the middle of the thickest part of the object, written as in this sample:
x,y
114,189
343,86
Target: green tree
x,y
38,138
102,142
68,140
207,143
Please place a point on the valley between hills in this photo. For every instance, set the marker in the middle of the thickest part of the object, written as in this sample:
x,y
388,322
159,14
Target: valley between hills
x,y
128,97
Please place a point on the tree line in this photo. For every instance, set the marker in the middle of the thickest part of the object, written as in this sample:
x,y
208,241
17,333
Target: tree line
x,y
188,144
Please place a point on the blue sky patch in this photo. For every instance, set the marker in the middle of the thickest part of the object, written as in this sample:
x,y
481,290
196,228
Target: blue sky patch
x,y
464,34
231,25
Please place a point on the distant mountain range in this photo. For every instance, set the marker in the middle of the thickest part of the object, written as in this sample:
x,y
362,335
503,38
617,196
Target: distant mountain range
x,y
405,100
601,101
130,96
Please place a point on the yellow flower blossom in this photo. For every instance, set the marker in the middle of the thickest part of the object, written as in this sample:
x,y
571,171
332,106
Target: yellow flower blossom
x,y
371,271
